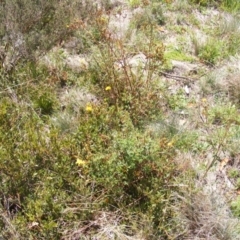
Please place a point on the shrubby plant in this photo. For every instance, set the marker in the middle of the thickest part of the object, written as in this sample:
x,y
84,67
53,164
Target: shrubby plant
x,y
30,29
122,84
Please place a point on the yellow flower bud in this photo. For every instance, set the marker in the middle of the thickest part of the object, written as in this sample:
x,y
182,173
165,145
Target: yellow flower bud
x,y
80,162
108,88
89,108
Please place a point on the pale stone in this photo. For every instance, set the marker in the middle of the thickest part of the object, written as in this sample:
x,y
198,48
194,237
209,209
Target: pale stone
x,y
77,63
183,67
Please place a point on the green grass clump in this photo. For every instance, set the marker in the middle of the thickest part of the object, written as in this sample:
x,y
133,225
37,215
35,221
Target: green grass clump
x,y
235,207
228,5
45,104
177,54
231,5
203,3
223,114
210,52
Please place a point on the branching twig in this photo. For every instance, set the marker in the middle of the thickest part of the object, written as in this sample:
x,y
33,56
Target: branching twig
x,y
177,77
8,89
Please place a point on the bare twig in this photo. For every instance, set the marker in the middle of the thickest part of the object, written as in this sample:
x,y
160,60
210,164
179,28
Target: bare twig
x,y
177,77
8,89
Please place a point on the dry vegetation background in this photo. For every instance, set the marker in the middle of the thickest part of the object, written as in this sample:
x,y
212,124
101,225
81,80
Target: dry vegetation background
x,y
119,119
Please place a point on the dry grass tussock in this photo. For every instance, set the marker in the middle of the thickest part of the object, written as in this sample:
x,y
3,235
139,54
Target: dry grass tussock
x,y
108,226
202,217
233,88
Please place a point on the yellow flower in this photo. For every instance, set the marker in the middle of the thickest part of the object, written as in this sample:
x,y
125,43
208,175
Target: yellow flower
x,y
170,144
204,100
89,108
80,162
108,88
